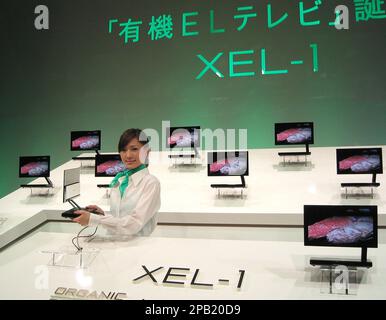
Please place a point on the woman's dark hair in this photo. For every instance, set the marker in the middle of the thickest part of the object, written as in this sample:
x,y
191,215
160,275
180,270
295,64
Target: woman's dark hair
x,y
129,135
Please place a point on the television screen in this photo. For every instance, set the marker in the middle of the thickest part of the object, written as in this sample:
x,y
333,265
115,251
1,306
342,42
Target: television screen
x,y
340,226
108,165
294,133
359,161
183,137
85,140
34,167
71,183
228,163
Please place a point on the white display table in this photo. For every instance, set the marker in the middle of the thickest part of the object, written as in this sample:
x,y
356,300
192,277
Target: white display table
x,y
273,269
275,194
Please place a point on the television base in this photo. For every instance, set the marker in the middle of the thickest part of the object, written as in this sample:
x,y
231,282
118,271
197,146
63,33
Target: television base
x,y
179,156
103,185
83,158
36,186
220,186
184,159
87,158
340,280
227,187
106,187
49,186
294,154
70,258
86,163
330,262
371,185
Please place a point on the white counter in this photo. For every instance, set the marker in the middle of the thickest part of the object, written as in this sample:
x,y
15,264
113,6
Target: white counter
x,y
275,194
273,269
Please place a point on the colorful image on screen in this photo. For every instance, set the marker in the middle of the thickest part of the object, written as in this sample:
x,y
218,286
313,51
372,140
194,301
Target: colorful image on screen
x,y
85,140
108,165
342,230
34,166
228,164
359,161
110,168
34,169
294,133
88,142
184,137
340,225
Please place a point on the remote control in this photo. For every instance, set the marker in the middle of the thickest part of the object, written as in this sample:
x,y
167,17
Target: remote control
x,y
71,215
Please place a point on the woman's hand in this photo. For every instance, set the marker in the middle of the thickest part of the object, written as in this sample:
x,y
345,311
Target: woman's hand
x,y
84,217
95,209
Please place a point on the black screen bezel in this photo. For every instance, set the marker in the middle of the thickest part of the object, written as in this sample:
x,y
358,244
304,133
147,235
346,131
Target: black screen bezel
x,y
311,211
170,130
353,151
288,125
80,133
106,157
214,155
32,159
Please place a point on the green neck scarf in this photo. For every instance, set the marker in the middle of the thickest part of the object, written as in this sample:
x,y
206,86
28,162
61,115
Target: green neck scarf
x,y
125,182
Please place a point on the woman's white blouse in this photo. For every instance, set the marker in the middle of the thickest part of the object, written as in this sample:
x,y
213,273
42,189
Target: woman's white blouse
x,y
136,212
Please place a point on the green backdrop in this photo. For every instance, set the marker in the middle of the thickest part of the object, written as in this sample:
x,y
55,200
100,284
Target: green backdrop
x,y
78,76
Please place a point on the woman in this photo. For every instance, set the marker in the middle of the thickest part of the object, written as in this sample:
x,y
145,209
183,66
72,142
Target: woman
x,y
135,193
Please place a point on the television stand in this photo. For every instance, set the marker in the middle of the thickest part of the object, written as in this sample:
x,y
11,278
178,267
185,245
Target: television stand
x,y
241,185
362,263
178,156
106,187
47,186
296,154
372,185
103,185
340,279
80,158
340,262
192,157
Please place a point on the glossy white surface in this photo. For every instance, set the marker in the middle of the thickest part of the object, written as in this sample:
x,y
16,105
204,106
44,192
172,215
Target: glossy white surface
x,y
275,194
274,269
254,233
